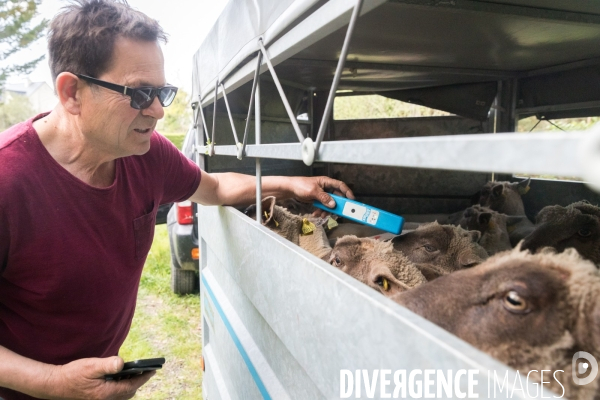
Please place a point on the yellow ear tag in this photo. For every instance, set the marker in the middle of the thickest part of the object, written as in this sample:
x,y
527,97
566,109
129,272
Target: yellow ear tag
x,y
307,227
331,223
386,285
526,189
274,220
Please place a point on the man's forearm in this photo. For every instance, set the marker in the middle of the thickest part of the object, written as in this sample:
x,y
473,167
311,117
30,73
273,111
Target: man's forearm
x,y
235,189
23,374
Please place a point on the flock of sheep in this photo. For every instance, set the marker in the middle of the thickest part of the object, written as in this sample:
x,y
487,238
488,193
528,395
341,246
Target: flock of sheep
x,y
527,294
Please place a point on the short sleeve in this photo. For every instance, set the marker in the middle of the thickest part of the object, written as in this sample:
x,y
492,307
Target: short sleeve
x,y
4,240
182,175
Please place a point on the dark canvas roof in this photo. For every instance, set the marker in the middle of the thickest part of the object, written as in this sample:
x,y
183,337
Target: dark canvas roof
x,y
415,44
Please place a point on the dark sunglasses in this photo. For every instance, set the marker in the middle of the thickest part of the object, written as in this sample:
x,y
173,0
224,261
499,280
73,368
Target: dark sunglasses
x,y
141,97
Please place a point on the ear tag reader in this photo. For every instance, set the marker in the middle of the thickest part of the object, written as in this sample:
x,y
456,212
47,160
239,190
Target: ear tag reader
x,y
364,214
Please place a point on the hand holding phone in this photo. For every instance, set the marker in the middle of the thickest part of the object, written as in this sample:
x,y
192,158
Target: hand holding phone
x,y
137,367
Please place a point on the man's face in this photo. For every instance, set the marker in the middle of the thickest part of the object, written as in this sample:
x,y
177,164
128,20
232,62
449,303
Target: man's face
x,y
107,120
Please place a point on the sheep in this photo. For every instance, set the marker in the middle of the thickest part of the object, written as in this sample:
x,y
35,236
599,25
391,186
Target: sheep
x,y
372,262
278,219
376,264
532,312
504,197
297,207
442,248
577,226
491,224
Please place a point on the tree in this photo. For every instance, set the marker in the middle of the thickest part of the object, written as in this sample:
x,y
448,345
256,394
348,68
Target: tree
x,y
178,116
17,31
18,109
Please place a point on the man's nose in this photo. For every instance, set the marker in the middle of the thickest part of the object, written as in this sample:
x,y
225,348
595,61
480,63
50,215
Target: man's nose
x,y
155,110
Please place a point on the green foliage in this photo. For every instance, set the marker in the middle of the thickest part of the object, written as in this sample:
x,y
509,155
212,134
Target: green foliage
x,y
18,109
375,106
567,124
165,325
177,140
17,31
178,116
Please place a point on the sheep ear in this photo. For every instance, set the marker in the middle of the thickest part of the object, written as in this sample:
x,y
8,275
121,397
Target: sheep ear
x,y
484,218
391,286
523,186
475,235
268,206
497,190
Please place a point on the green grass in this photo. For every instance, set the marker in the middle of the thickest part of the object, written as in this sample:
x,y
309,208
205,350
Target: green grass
x,y
175,138
166,325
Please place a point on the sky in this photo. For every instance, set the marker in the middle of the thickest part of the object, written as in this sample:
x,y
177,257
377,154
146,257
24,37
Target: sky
x,y
186,22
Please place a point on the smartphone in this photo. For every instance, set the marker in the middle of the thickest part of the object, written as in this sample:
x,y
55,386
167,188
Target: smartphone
x,y
137,367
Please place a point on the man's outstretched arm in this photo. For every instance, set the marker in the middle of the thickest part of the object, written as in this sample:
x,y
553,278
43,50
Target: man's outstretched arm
x,y
234,189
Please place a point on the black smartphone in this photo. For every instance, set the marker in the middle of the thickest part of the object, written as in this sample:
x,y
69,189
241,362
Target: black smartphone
x,y
137,367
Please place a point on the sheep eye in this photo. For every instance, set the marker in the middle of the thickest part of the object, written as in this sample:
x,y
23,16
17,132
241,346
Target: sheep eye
x,y
336,261
429,248
514,302
584,232
383,282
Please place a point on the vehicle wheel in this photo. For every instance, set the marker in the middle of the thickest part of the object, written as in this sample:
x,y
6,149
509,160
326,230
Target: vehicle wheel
x,y
183,281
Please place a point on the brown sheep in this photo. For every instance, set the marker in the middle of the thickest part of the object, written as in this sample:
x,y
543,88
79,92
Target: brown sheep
x,y
532,312
504,197
576,226
443,248
376,264
278,219
491,224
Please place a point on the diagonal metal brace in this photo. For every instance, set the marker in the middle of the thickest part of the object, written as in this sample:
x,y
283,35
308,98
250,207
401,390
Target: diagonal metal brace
x,y
235,136
281,93
252,94
337,76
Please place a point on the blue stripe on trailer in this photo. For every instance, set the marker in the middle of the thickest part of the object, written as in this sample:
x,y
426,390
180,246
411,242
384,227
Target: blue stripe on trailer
x,y
238,344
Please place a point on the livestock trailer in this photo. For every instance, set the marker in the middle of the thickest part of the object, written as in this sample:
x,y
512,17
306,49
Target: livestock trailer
x,y
279,323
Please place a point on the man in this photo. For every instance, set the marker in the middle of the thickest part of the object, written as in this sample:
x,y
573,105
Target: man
x,y
80,189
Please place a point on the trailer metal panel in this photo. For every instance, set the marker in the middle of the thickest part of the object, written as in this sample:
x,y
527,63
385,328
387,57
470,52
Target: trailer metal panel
x,y
309,320
555,153
298,321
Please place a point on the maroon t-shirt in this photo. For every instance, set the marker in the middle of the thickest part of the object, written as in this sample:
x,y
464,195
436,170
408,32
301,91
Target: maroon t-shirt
x,y
71,255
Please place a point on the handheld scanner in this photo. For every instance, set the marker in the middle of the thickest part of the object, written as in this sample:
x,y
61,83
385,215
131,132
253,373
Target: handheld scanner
x,y
364,214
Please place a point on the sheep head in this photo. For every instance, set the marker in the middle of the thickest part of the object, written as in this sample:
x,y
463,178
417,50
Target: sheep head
x,y
531,312
376,264
576,226
504,197
278,219
447,247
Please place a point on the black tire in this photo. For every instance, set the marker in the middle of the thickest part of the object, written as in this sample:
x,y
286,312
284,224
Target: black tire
x,y
183,281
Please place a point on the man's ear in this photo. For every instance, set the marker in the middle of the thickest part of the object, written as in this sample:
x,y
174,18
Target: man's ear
x,y
68,90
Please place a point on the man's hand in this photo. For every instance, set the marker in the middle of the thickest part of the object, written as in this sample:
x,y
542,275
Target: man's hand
x,y
84,379
308,189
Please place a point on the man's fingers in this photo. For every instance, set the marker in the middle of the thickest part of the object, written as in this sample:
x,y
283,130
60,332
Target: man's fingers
x,y
326,199
339,186
126,388
112,365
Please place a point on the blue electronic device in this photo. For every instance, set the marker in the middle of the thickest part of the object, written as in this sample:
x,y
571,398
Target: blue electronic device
x,y
364,214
